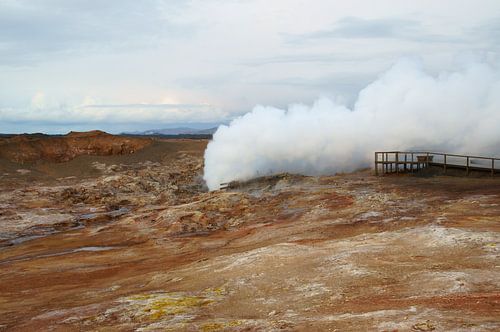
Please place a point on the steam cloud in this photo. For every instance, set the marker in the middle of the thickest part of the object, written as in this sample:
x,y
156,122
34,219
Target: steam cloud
x,y
404,109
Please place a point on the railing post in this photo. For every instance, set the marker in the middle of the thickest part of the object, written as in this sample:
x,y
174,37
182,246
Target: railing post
x,y
397,162
412,162
389,165
406,160
427,160
376,164
383,163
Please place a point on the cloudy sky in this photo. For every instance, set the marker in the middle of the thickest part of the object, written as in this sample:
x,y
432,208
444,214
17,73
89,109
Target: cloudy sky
x,y
134,65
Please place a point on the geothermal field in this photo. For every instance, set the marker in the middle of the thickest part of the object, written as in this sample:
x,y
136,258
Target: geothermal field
x,y
115,233
249,165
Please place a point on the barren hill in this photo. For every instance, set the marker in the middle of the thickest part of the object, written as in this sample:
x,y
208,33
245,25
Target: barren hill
x,y
32,148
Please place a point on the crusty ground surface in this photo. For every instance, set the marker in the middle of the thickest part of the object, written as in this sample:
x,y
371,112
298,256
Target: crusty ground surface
x,y
138,244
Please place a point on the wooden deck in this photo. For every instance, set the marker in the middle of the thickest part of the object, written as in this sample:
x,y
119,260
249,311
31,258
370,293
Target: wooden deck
x,y
414,161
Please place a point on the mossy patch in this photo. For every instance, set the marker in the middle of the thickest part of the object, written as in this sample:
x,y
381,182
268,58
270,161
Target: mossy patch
x,y
218,326
218,291
165,310
167,305
159,306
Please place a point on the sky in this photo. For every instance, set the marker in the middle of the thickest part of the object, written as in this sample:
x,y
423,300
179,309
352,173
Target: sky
x,y
127,65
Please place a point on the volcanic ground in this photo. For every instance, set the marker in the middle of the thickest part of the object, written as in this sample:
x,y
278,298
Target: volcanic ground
x,y
131,240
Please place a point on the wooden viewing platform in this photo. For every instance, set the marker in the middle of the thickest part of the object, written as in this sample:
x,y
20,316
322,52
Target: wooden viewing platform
x,y
413,161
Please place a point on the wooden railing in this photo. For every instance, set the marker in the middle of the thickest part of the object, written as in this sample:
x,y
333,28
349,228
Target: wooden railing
x,y
401,161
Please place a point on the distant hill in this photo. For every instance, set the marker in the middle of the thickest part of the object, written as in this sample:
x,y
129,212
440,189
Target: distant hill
x,y
173,132
30,148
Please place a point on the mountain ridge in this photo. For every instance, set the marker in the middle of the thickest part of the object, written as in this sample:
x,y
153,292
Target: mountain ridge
x,y
174,131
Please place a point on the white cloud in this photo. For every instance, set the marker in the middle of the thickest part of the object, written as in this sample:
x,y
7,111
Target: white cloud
x,y
38,101
112,113
229,54
406,108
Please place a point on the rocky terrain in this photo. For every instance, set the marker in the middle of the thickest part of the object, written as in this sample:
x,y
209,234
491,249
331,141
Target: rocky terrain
x,y
134,242
34,148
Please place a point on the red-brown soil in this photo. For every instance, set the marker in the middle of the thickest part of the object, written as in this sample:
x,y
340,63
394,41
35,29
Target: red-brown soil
x,y
140,245
33,148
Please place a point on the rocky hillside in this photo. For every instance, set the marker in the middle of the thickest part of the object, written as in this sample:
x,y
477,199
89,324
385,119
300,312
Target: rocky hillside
x,y
33,148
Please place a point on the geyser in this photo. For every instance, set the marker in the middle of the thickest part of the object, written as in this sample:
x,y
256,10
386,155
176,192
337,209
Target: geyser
x,y
405,108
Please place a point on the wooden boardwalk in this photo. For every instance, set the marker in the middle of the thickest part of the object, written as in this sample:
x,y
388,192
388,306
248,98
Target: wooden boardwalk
x,y
413,161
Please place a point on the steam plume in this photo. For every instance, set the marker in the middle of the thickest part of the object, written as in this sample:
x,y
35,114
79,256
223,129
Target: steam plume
x,y
405,108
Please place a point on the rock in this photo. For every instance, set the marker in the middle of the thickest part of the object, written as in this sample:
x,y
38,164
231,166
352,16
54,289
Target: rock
x,y
426,326
30,148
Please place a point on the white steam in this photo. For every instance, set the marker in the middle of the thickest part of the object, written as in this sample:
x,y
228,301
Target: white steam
x,y
405,108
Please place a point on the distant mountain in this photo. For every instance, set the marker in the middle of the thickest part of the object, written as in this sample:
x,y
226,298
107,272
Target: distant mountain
x,y
208,131
174,131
